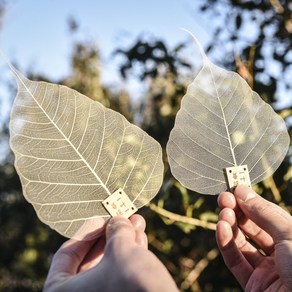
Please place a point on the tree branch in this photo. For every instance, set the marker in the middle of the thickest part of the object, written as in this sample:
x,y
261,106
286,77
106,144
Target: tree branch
x,y
199,268
180,218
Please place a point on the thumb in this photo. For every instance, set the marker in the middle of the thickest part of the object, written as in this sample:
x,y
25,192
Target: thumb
x,y
270,217
119,231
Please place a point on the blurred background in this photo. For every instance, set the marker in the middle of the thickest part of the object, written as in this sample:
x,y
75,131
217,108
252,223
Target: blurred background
x,y
132,57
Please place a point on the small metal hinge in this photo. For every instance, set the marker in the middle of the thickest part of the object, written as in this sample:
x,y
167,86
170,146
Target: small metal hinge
x,y
119,204
237,175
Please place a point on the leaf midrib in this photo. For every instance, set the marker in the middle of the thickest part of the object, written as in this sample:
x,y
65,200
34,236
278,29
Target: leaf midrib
x,y
209,64
60,131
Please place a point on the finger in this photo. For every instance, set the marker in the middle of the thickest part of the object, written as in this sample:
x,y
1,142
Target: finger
x,y
96,252
94,255
259,236
250,252
139,225
226,200
252,230
268,216
69,257
119,233
233,257
142,240
138,222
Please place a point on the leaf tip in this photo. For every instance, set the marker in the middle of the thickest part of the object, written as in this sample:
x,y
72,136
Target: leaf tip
x,y
6,60
198,43
17,74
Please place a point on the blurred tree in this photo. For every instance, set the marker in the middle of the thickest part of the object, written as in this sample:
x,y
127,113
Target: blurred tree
x,y
85,78
261,32
153,63
156,58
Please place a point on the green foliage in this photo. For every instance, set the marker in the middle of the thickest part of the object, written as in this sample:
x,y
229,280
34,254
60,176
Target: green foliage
x,y
26,244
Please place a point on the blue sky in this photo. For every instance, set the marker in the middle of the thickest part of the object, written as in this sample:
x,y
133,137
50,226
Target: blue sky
x,y
35,33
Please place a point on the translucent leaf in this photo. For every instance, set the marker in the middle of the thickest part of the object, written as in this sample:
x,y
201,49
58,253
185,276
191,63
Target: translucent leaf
x,y
223,123
72,153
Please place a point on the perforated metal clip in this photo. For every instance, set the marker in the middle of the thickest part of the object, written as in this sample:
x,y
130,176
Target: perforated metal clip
x,y
119,204
237,175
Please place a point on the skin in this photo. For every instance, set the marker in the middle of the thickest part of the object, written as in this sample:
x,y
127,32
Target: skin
x,y
264,262
116,261
119,260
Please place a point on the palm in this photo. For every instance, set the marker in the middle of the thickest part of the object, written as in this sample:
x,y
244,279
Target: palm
x,y
94,256
265,277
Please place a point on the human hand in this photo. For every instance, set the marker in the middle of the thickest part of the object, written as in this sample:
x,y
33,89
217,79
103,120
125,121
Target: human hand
x,y
116,261
245,214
